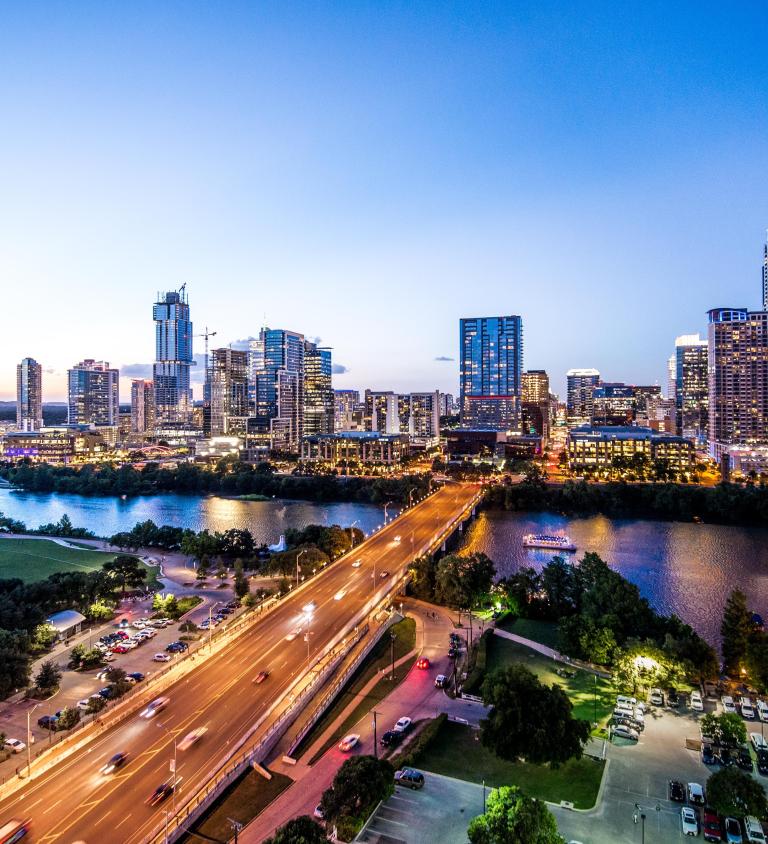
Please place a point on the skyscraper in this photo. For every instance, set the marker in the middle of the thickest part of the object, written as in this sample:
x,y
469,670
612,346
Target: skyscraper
x,y
93,394
535,386
580,389
226,407
692,387
173,358
346,404
490,372
765,276
424,414
382,411
318,390
738,378
142,406
29,395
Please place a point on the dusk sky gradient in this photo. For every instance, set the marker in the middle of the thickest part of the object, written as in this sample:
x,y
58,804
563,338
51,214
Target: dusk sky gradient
x,y
368,173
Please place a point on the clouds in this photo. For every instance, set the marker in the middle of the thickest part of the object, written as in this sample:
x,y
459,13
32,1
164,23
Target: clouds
x,y
444,359
242,345
136,370
339,369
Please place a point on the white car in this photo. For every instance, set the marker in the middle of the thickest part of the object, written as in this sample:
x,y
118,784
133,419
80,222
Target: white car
x,y
623,731
161,658
402,725
656,697
747,710
15,745
348,742
728,705
157,705
689,821
695,794
397,538
762,710
190,738
696,702
758,742
357,564
293,634
84,703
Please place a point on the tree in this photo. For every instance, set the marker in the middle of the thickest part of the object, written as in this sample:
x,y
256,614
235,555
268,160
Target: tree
x,y
462,580
48,677
68,718
530,720
203,568
301,830
732,792
44,636
99,611
242,586
221,570
513,818
756,660
126,571
14,659
358,785
735,630
727,729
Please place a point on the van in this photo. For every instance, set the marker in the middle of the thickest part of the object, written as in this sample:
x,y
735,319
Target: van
x,y
754,830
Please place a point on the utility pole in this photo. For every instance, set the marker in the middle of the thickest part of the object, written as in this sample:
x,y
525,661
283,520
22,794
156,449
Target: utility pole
x,y
375,742
392,637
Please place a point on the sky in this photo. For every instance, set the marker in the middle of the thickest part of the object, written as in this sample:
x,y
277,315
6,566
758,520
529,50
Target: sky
x,y
368,173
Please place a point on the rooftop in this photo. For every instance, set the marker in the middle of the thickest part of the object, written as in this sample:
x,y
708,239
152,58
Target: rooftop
x,y
65,619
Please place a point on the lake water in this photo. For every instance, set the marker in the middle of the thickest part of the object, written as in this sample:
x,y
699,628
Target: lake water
x,y
688,569
266,520
683,568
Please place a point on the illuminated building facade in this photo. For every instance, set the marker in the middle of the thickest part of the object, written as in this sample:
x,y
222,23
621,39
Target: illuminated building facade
x,y
692,387
580,389
226,408
347,414
142,406
92,393
29,395
352,448
598,447
319,405
173,358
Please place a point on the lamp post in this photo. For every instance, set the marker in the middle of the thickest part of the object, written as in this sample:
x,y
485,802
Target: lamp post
x,y
304,551
410,497
160,724
385,511
29,737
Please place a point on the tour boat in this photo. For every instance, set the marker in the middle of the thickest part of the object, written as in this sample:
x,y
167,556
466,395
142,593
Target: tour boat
x,y
550,541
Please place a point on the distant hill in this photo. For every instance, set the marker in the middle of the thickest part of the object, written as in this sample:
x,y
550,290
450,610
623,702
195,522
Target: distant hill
x,y
54,412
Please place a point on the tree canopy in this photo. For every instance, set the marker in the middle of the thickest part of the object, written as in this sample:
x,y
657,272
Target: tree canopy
x,y
513,818
358,785
301,830
462,580
731,791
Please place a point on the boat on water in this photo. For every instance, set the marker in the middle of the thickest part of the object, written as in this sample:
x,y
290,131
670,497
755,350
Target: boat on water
x,y
554,542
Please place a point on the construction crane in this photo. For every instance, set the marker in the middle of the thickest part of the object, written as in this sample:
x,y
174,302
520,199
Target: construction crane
x,y
206,334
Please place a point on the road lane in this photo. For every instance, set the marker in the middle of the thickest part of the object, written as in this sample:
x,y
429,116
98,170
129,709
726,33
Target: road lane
x,y
74,801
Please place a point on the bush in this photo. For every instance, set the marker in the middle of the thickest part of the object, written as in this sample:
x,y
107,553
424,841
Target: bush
x,y
476,674
48,677
68,718
409,757
96,704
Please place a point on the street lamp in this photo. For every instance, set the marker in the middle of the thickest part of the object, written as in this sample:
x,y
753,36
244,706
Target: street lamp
x,y
385,511
29,736
304,551
162,726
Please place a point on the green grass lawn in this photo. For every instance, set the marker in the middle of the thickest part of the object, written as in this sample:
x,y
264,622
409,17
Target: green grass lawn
x,y
378,658
34,559
580,688
456,751
544,632
242,802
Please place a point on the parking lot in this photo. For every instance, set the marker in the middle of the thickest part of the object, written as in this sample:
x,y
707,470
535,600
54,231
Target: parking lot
x,y
439,812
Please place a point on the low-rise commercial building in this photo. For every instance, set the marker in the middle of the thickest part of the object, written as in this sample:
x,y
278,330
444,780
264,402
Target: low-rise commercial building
x,y
56,445
347,448
603,447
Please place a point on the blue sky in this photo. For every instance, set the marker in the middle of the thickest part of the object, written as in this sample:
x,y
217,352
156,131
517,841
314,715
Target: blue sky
x,y
368,173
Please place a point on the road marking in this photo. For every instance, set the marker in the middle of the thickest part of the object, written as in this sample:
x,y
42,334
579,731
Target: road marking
x,y
103,817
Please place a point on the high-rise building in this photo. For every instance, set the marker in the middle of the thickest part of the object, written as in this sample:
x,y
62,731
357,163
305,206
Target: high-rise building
x,y
382,411
346,405
318,390
29,395
173,358
277,393
142,406
581,384
93,397
535,403
738,378
613,404
226,408
424,414
490,372
765,276
447,404
692,387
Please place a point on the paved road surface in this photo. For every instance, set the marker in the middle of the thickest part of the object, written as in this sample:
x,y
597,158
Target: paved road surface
x,y
75,802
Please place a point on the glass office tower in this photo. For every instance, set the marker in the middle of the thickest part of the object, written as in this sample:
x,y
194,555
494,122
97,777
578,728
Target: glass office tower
x,y
173,358
29,395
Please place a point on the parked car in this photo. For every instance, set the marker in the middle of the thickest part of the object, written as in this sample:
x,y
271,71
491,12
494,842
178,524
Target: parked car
x,y
710,826
762,761
136,676
318,812
707,755
725,756
689,821
624,731
744,759
14,745
676,791
758,742
47,722
162,658
349,742
410,778
440,681
728,705
747,710
697,703
733,831
390,738
402,725
177,647
753,830
673,698
656,697
695,794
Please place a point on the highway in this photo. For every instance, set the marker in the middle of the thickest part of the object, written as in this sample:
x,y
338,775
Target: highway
x,y
74,802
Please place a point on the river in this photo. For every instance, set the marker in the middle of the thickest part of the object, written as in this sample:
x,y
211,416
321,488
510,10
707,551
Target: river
x,y
683,568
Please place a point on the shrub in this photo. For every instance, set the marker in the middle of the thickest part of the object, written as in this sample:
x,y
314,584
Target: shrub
x,y
409,757
68,718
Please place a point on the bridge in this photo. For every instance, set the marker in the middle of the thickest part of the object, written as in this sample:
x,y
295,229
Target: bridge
x,y
68,799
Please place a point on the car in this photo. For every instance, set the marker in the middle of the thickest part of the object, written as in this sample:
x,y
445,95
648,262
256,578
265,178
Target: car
x,y
676,791
697,703
733,831
747,710
397,538
689,821
725,757
383,574
762,710
422,663
695,794
162,792
348,742
762,761
136,676
627,722
121,635
261,677
109,657
728,705
625,731
390,738
624,700
120,649
410,778
47,722
123,623
753,830
162,658
114,762
402,725
14,745
102,674
106,693
192,737
707,754
440,681
744,759
177,647
318,812
84,703
225,610
357,564
656,697
758,742
157,705
233,604
710,826
293,634
673,699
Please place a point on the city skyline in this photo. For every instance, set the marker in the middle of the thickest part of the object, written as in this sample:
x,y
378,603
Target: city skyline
x,y
290,164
